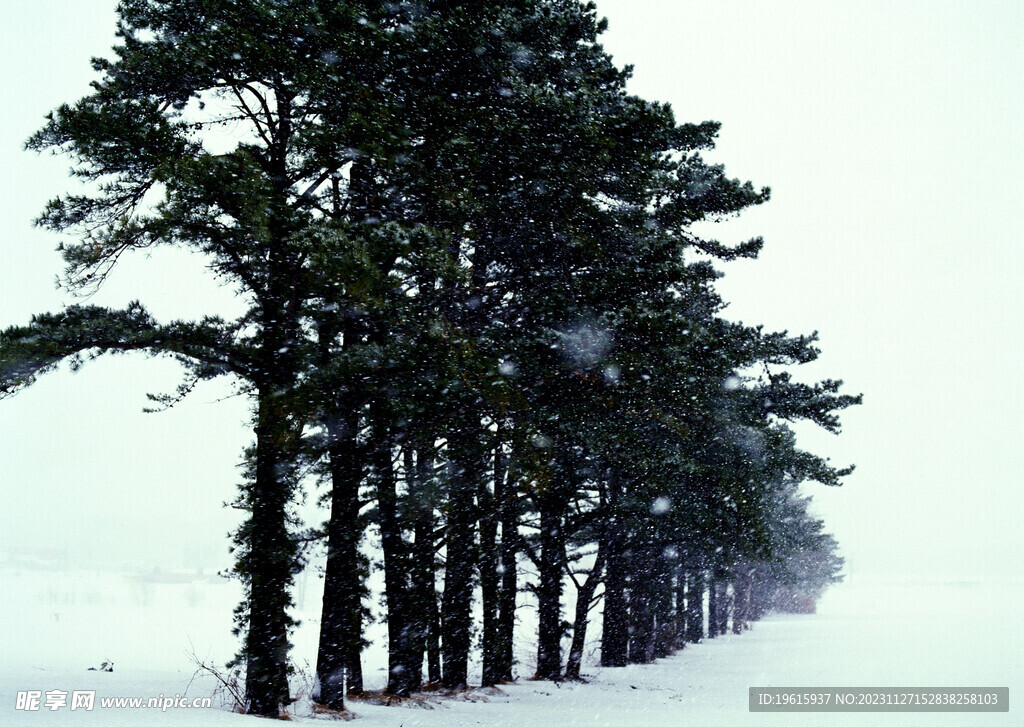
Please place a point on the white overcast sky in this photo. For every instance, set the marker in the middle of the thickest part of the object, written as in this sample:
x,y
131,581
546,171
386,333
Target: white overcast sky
x,y
891,135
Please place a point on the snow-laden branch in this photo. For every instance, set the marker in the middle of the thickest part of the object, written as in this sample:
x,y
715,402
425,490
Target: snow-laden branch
x,y
207,347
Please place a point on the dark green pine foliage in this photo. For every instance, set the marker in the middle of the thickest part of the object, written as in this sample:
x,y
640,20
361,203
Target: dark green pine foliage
x,y
569,219
690,477
521,120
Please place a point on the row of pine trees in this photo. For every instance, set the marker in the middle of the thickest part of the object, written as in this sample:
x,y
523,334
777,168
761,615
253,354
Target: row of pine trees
x,y
479,311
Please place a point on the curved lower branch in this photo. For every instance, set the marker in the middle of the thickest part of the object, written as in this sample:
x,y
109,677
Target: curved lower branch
x,y
207,346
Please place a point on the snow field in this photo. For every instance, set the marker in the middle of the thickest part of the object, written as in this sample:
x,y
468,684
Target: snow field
x,y
868,633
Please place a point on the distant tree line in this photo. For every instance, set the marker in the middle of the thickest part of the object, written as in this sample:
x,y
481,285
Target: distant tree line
x,y
477,310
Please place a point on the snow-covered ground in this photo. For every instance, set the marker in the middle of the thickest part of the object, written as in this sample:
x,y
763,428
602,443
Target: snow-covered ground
x,y
868,633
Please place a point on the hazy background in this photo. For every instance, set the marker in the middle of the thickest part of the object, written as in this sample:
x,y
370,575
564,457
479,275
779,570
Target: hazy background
x,y
891,135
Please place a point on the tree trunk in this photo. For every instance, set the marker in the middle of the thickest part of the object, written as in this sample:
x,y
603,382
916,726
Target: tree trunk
x,y
695,606
615,629
760,599
584,601
424,568
713,605
341,626
641,614
724,603
419,509
661,598
463,476
489,564
549,588
741,594
508,504
401,679
679,613
269,553
268,563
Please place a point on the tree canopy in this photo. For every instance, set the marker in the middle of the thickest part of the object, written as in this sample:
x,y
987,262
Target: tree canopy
x,y
475,301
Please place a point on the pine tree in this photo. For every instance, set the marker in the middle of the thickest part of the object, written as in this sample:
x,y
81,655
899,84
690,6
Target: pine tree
x,y
302,82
